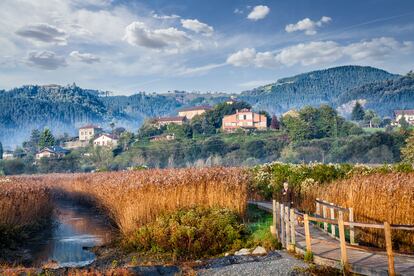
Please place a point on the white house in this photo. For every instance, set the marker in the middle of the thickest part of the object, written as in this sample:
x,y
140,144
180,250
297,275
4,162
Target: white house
x,y
52,152
8,155
408,114
106,140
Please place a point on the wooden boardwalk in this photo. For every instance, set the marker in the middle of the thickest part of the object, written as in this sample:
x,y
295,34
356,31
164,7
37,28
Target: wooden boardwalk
x,y
326,251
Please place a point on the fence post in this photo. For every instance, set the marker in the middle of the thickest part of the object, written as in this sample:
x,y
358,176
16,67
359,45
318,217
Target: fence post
x,y
307,234
282,223
287,225
318,207
292,228
344,256
333,232
324,214
388,244
278,220
273,226
351,226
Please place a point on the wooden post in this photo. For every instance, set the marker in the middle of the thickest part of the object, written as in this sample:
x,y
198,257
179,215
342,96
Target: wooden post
x,y
388,244
333,225
318,207
282,223
351,227
278,220
325,215
273,226
344,256
307,234
287,225
292,228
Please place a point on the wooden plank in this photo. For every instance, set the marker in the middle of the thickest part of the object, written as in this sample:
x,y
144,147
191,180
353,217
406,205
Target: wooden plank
x,y
318,207
388,244
282,222
324,215
274,226
287,226
344,256
351,226
292,227
307,234
331,205
332,218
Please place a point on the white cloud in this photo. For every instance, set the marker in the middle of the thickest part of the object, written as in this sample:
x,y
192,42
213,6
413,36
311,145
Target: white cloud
x,y
307,25
377,48
199,70
45,60
43,32
318,52
238,11
258,12
138,34
164,17
242,58
84,57
197,26
322,52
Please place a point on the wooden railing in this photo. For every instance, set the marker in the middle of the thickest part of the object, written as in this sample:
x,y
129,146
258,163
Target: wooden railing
x,y
285,221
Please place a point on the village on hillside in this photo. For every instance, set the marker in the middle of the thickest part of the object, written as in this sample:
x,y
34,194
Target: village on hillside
x,y
242,119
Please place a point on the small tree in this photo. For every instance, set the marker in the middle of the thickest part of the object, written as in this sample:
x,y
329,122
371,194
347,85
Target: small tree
x,y
274,123
46,139
1,151
403,123
358,112
408,150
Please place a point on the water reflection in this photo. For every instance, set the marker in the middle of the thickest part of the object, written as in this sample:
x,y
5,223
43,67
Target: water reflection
x,y
77,228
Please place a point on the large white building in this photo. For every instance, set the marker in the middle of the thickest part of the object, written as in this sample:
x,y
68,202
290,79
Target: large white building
x,y
106,140
407,114
89,132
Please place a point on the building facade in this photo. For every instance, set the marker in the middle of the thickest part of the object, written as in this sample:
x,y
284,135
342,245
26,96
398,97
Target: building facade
x,y
163,121
106,140
190,112
89,132
407,114
52,152
244,119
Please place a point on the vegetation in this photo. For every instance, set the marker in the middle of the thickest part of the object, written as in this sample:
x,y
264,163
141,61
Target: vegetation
x,y
25,207
408,150
191,233
376,197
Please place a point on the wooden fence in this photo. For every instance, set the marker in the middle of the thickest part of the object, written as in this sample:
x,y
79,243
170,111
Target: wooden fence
x,y
285,220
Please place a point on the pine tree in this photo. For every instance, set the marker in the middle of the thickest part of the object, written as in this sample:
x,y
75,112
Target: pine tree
x,y
275,123
1,151
358,112
46,139
408,150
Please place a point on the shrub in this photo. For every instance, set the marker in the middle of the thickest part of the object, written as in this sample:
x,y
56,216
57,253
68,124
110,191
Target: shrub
x,y
194,232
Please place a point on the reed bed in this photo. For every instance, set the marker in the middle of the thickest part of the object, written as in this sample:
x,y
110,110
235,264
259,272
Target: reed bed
x,y
133,199
25,206
377,198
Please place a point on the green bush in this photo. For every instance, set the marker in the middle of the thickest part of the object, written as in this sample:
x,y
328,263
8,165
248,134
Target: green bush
x,y
191,233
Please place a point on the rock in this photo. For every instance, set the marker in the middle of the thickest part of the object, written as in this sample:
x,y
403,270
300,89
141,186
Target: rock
x,y
242,252
259,251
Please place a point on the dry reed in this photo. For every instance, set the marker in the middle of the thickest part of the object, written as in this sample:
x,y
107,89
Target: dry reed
x,y
377,198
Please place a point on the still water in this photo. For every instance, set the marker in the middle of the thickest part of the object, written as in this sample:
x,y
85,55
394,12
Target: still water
x,y
76,229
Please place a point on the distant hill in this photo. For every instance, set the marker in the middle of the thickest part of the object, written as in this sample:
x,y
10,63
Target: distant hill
x,y
384,96
64,108
313,88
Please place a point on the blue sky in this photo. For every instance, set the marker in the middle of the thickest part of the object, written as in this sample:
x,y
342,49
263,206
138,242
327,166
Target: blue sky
x,y
226,46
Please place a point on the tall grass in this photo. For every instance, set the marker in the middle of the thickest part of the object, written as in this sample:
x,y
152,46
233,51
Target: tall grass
x,y
377,198
133,199
25,206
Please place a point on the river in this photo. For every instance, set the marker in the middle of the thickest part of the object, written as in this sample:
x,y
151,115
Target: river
x,y
76,229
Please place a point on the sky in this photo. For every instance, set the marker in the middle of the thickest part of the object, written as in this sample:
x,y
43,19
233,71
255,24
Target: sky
x,y
193,45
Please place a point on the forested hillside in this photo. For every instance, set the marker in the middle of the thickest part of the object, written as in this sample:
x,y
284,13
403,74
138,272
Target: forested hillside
x,y
64,108
313,88
384,96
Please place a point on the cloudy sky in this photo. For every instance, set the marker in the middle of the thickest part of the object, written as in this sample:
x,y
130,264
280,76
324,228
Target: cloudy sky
x,y
194,45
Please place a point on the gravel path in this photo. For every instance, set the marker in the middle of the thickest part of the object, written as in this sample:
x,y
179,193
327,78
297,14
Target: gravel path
x,y
276,263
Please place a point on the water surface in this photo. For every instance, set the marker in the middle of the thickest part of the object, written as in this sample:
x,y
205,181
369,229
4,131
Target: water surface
x,y
77,228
